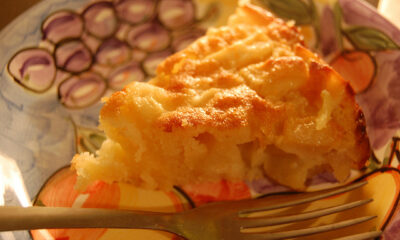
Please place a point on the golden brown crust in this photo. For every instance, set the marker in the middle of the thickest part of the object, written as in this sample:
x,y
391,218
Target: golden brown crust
x,y
362,139
279,30
246,101
227,110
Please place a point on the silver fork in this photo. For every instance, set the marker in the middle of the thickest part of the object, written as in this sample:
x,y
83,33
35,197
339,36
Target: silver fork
x,y
217,221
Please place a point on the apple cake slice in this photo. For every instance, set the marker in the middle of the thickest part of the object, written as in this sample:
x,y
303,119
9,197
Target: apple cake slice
x,y
244,102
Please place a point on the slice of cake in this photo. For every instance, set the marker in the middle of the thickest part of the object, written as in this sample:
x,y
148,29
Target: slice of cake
x,y
244,102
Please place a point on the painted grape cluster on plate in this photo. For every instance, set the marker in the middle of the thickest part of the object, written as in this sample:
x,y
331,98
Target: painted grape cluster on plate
x,y
84,50
105,46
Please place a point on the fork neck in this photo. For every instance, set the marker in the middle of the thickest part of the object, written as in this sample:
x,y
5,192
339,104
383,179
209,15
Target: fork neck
x,y
18,218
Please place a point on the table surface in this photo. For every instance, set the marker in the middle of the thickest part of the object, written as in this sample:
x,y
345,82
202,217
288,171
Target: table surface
x,y
9,9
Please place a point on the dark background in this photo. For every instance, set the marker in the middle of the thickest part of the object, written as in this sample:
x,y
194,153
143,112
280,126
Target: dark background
x,y
9,9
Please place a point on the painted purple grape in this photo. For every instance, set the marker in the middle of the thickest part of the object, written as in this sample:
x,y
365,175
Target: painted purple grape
x,y
73,56
33,68
113,52
62,25
100,19
91,42
135,11
122,31
176,14
184,39
149,37
82,91
138,55
152,61
126,74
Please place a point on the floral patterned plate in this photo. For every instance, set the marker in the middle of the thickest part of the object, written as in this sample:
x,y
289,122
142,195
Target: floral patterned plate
x,y
60,57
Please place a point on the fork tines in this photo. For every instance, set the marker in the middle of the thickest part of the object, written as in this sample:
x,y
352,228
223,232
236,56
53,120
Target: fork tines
x,y
309,231
255,222
334,192
251,225
362,236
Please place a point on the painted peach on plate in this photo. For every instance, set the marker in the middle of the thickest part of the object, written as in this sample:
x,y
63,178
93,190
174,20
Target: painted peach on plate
x,y
357,67
59,191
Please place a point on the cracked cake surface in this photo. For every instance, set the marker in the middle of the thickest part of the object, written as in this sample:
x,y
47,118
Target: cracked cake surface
x,y
244,102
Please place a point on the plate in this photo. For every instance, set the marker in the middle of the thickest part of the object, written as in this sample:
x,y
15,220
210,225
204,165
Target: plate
x,y
61,57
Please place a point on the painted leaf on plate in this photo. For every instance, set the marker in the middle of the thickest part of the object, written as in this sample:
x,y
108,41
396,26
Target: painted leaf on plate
x,y
88,140
392,153
296,10
373,163
369,39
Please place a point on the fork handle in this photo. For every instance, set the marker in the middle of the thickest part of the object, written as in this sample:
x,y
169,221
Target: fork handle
x,y
20,218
